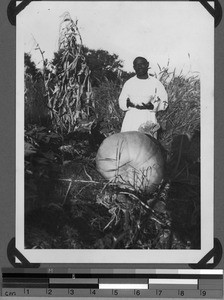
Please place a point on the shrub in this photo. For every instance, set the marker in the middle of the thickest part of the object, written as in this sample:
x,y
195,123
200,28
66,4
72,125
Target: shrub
x,y
107,109
36,111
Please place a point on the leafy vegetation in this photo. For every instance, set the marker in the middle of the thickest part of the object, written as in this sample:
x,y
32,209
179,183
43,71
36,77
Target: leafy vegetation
x,y
70,107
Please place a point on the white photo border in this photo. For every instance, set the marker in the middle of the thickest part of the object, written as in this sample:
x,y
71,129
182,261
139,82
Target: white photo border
x,y
125,256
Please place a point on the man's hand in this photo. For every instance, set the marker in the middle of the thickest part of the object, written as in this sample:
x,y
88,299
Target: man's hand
x,y
143,106
129,103
149,106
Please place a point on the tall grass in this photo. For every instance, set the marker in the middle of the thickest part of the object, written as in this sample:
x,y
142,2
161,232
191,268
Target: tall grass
x,y
182,116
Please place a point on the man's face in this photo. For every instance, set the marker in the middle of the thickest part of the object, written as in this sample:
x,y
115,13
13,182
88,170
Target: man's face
x,y
141,67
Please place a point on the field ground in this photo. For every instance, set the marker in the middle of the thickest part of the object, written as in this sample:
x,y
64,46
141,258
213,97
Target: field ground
x,y
70,206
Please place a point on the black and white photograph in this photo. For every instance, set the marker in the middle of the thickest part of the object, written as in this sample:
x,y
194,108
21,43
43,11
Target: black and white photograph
x,y
114,131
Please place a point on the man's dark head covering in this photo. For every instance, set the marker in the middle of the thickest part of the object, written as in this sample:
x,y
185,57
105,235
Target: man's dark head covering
x,y
139,57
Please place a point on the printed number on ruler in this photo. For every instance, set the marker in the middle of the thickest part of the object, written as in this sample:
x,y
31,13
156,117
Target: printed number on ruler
x,y
92,292
137,292
203,293
71,292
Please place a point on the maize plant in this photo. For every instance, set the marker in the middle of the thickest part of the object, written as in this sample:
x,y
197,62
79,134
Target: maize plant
x,y
69,92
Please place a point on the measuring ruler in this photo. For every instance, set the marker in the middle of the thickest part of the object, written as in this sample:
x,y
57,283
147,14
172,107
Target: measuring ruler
x,y
120,283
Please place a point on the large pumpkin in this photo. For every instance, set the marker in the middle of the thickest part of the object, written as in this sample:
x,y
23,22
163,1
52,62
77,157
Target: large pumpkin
x,y
131,159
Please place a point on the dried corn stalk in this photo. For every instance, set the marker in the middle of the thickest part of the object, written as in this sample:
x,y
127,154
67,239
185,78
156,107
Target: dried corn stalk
x,y
70,96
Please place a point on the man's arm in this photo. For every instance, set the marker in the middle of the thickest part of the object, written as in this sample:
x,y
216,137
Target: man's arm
x,y
123,98
149,106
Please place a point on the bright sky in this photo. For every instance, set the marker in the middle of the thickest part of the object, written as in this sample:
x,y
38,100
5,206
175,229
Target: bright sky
x,y
160,31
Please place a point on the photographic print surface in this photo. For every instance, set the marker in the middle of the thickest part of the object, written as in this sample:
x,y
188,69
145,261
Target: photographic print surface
x,y
87,192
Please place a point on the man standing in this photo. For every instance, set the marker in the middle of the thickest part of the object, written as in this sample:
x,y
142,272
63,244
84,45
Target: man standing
x,y
141,97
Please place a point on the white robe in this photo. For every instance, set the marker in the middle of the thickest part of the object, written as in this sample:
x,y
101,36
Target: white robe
x,y
142,91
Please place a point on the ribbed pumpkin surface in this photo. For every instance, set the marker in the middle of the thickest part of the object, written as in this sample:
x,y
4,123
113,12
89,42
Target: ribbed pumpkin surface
x,y
131,159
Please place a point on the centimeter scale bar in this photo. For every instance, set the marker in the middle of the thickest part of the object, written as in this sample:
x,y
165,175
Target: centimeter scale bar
x,y
115,283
